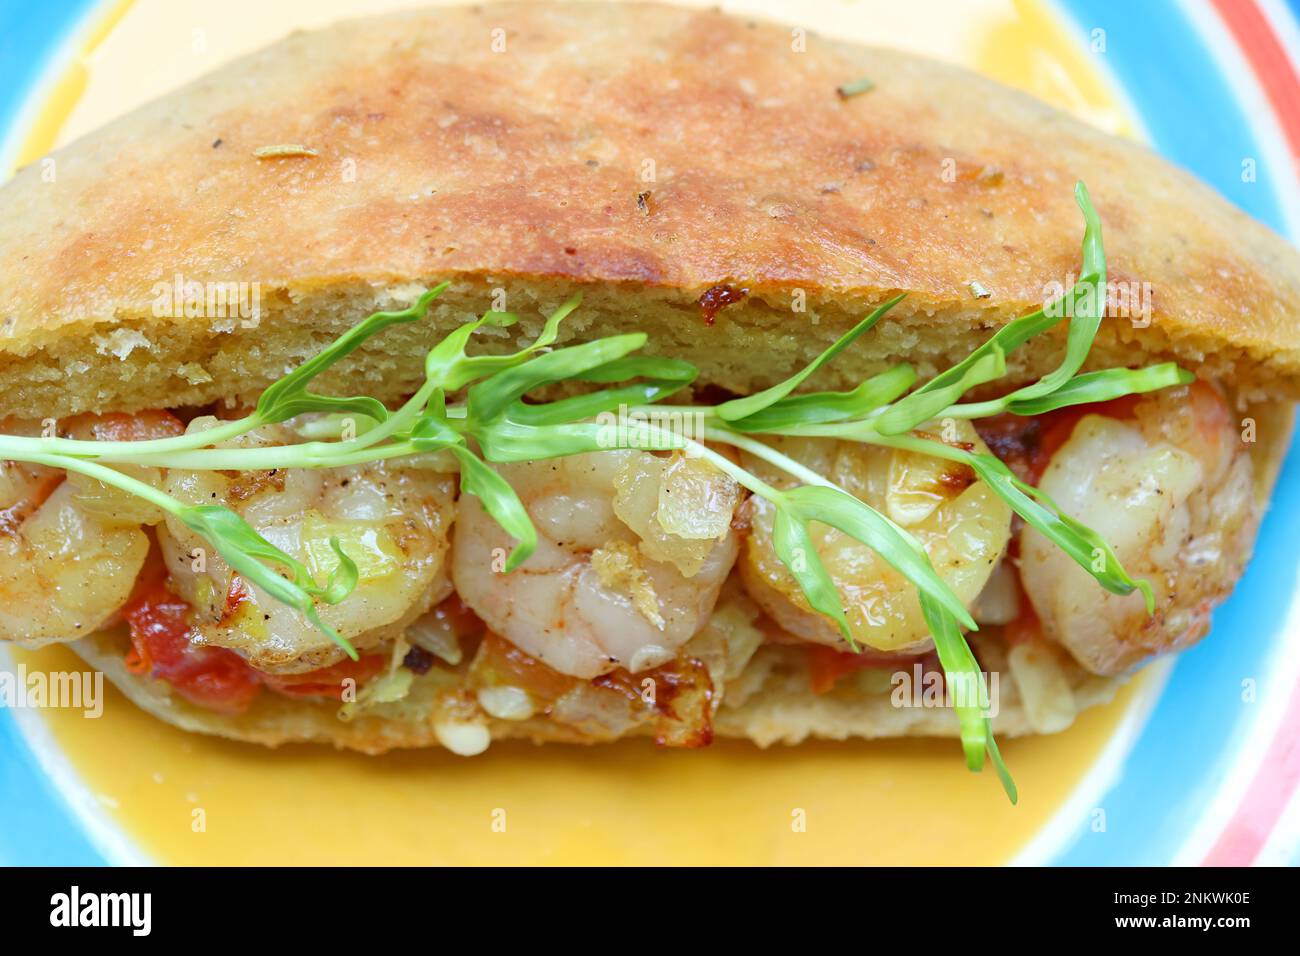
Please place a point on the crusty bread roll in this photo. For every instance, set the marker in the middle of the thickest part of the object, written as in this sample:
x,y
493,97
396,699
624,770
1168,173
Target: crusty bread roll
x,y
438,158
695,175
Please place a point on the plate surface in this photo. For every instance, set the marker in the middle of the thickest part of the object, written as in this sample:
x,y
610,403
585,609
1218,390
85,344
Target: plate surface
x,y
1196,761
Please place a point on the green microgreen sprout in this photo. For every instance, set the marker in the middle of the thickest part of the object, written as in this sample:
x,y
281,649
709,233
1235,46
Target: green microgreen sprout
x,y
497,418
856,87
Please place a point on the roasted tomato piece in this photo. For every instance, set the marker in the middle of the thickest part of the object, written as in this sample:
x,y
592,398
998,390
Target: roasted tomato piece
x,y
160,646
214,677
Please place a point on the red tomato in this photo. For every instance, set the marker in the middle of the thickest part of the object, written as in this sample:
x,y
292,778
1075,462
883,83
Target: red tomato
x,y
212,677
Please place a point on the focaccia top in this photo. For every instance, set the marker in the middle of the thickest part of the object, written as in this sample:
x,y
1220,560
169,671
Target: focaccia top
x,y
646,153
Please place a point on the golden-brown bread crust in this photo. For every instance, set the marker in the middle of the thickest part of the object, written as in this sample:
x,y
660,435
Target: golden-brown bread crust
x,y
438,157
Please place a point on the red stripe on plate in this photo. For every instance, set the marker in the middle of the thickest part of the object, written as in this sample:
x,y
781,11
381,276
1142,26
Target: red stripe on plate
x,y
1278,776
1265,799
1269,61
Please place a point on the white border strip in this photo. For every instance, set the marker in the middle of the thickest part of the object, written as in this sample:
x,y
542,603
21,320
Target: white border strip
x,y
1284,27
1273,696
1283,846
1240,77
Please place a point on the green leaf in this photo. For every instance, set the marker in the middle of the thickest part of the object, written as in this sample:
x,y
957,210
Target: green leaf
x,y
500,501
1103,386
969,691
1094,254
492,396
1081,543
854,88
448,364
1087,308
963,678
444,362
309,611
925,403
226,530
740,408
1004,775
662,377
434,432
1113,577
917,407
819,408
344,579
1085,304
505,440
839,509
289,396
245,551
640,366
794,546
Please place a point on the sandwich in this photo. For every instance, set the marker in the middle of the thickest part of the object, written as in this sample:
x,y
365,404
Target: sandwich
x,y
573,372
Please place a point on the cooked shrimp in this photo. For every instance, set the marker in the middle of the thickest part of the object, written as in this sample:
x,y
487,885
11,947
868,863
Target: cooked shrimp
x,y
392,521
70,550
962,524
1172,492
632,551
